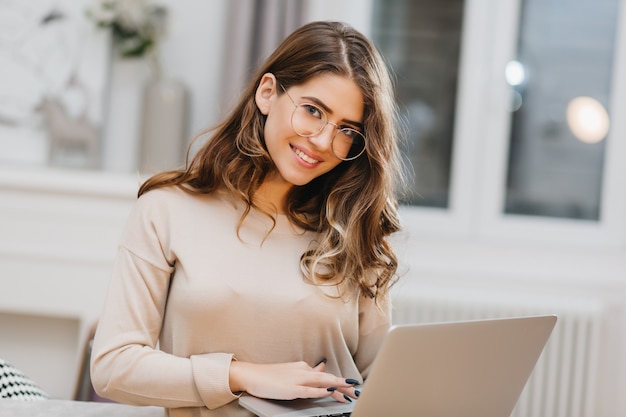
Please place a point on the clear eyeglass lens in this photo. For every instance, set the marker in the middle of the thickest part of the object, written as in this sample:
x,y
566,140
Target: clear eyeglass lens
x,y
308,120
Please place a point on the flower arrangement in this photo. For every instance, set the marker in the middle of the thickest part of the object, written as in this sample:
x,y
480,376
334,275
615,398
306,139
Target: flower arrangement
x,y
136,25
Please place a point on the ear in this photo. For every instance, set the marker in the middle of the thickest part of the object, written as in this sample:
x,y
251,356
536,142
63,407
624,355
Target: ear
x,y
265,92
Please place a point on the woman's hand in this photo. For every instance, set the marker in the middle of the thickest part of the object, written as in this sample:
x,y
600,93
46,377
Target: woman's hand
x,y
288,381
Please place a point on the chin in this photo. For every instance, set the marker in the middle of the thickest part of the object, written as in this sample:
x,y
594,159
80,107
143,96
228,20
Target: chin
x,y
301,182
297,179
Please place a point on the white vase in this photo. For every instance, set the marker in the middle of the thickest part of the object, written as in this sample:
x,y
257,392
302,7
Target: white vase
x,y
164,122
123,123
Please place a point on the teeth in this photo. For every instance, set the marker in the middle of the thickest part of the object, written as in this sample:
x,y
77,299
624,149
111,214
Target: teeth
x,y
305,157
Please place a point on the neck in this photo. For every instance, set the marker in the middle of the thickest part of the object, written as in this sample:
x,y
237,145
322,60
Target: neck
x,y
272,195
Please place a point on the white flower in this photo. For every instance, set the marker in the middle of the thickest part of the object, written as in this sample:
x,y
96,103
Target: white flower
x,y
133,14
102,12
136,24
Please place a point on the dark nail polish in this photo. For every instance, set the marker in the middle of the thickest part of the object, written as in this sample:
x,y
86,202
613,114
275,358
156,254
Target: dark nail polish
x,y
351,381
347,398
320,362
331,389
357,393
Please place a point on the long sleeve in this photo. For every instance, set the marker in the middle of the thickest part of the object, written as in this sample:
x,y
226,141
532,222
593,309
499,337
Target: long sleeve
x,y
126,364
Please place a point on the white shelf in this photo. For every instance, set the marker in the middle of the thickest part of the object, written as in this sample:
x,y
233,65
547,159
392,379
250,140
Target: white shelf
x,y
69,181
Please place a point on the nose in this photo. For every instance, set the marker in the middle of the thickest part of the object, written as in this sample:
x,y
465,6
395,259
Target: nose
x,y
323,141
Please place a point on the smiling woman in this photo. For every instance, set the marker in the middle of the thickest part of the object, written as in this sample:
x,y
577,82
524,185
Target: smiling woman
x,y
301,206
314,147
309,120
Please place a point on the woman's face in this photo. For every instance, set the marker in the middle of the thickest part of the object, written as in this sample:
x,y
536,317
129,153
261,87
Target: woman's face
x,y
300,159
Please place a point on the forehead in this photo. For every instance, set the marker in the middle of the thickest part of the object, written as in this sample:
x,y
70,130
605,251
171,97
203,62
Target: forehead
x,y
342,96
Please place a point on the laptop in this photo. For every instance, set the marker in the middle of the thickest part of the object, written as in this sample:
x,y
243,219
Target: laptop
x,y
457,369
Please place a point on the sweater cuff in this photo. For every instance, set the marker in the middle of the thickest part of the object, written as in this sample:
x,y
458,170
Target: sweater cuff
x,y
211,376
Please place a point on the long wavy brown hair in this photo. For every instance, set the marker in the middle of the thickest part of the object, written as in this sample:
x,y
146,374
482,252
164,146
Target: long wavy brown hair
x,y
352,208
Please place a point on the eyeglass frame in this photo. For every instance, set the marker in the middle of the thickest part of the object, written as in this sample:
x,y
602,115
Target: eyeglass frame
x,y
336,128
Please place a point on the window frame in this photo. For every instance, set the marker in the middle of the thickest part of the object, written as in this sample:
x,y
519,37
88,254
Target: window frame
x,y
609,230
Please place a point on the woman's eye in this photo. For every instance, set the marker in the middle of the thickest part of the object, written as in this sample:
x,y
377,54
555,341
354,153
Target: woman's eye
x,y
348,132
313,111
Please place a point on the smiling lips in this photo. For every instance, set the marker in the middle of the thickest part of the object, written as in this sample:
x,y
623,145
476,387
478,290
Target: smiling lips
x,y
305,157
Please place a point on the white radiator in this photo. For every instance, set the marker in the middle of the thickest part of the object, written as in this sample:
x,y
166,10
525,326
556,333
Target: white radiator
x,y
563,382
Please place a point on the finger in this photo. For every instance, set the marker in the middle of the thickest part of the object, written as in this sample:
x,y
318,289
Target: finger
x,y
335,387
341,397
312,392
322,379
352,392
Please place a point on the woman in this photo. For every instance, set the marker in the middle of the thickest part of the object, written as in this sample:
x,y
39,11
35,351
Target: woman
x,y
264,267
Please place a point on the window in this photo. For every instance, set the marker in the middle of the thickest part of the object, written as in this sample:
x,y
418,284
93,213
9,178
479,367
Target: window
x,y
508,110
561,94
421,41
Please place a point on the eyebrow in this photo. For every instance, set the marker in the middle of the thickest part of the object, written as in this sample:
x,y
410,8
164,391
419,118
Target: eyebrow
x,y
329,111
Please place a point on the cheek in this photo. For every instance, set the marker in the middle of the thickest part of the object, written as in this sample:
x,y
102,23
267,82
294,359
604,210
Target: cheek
x,y
276,132
333,166
272,127
273,141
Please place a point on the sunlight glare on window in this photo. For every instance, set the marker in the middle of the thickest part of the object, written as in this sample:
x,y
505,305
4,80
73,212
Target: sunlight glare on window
x,y
588,119
515,73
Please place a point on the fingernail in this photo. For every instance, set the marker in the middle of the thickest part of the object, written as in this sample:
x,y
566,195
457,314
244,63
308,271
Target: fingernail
x,y
351,381
347,398
357,393
331,389
320,362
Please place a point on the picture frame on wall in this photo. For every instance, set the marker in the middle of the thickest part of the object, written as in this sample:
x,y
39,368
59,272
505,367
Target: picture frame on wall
x,y
54,65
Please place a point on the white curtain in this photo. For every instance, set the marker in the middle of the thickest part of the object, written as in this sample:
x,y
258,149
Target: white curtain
x,y
255,28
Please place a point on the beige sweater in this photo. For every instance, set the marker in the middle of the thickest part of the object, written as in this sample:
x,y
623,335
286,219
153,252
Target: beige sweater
x,y
187,295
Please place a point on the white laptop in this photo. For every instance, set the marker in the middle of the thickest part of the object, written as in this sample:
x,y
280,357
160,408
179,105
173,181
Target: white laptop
x,y
459,369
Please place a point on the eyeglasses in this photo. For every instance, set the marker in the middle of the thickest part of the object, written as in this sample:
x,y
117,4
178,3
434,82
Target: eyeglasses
x,y
308,120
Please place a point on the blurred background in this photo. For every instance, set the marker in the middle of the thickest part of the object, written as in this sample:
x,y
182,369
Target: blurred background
x,y
513,144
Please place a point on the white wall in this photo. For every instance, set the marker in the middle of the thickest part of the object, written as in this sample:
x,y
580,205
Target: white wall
x,y
192,51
